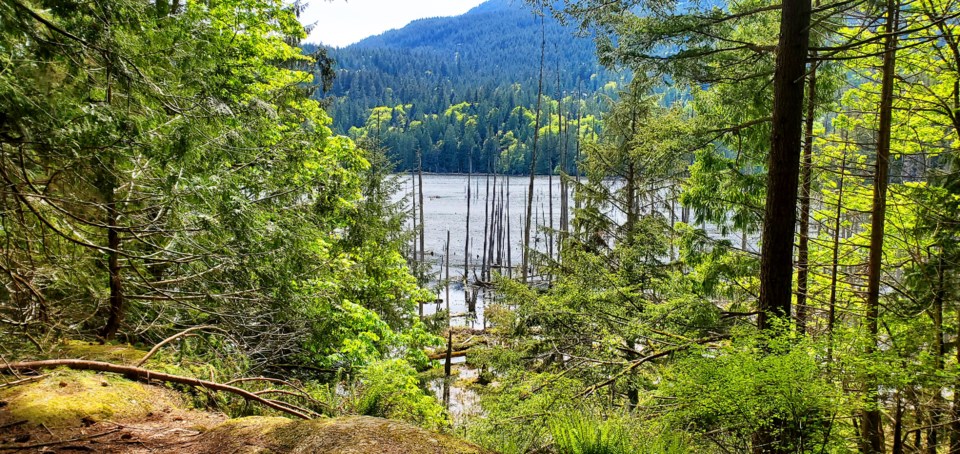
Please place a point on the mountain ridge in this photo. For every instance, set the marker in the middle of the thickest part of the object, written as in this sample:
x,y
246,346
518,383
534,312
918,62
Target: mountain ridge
x,y
486,63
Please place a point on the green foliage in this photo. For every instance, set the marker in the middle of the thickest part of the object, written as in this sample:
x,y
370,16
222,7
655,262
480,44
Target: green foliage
x,y
176,172
581,432
754,382
392,389
518,408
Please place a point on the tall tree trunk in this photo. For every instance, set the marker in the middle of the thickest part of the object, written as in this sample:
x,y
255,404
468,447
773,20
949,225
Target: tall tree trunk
x,y
835,263
509,235
576,159
446,258
898,426
783,165
109,188
550,157
422,223
533,160
631,204
783,172
116,309
940,351
466,241
485,261
955,423
564,183
871,421
413,216
803,249
492,238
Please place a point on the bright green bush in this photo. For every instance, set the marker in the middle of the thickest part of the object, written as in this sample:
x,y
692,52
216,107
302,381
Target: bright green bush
x,y
587,432
391,389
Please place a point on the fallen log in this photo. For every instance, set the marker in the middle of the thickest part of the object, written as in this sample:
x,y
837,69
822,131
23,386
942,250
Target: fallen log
x,y
145,374
442,355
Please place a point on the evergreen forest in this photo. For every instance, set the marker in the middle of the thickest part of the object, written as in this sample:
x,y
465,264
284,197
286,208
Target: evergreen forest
x,y
737,231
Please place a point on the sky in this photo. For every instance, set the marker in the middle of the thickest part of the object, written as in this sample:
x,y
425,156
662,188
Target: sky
x,y
342,22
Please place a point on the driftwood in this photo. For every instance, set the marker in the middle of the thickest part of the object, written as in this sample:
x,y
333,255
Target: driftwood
x,y
145,374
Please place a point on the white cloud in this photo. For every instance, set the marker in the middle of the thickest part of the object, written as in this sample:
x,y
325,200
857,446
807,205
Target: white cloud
x,y
341,22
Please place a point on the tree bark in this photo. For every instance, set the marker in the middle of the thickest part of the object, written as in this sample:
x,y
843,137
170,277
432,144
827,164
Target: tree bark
x,y
835,263
871,422
783,164
803,249
116,309
783,171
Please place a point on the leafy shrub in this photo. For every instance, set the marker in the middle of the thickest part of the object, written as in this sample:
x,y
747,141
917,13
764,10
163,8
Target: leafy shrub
x,y
391,389
577,433
585,432
754,385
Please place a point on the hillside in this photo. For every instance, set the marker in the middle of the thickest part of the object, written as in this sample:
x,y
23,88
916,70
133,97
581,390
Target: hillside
x,y
488,58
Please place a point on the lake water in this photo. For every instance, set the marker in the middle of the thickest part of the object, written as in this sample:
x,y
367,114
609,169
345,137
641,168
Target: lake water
x,y
445,209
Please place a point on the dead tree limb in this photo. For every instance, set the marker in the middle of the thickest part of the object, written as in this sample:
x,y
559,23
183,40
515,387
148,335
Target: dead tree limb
x,y
639,362
170,339
19,447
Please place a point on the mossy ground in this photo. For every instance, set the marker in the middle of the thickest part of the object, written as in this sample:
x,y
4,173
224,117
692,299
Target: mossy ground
x,y
67,398
93,351
131,417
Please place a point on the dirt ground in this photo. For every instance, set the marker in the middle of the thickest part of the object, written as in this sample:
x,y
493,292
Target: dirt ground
x,y
169,430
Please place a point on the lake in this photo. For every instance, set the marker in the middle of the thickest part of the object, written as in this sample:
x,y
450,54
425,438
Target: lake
x,y
445,210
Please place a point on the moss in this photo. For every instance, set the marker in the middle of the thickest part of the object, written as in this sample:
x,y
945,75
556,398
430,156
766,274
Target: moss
x,y
67,398
111,353
358,434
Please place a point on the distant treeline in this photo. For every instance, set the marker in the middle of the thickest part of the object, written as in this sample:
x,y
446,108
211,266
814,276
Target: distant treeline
x,y
462,91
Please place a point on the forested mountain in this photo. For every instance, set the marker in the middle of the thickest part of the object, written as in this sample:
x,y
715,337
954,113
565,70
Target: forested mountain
x,y
462,86
769,263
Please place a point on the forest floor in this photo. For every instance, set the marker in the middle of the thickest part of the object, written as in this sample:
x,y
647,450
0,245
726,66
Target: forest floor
x,y
68,411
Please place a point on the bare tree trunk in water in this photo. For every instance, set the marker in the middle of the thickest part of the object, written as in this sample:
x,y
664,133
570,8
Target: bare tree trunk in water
x,y
422,223
486,227
493,230
413,216
446,258
533,160
466,242
509,236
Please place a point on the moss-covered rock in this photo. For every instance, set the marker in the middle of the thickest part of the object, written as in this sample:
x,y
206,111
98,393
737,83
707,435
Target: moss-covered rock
x,y
67,398
348,435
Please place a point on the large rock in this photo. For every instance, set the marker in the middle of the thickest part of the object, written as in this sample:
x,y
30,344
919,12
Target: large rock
x,y
347,435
